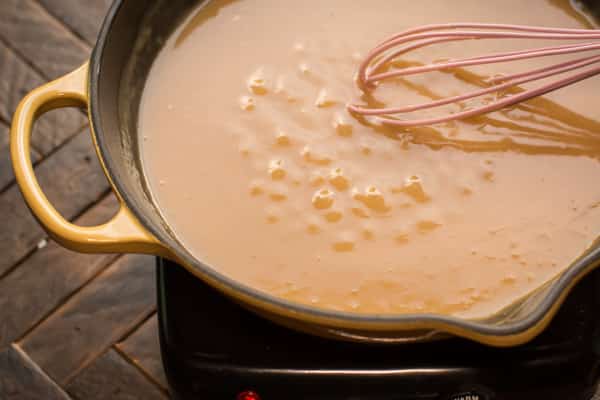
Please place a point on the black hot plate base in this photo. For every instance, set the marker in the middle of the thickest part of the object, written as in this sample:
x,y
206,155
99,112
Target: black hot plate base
x,y
213,349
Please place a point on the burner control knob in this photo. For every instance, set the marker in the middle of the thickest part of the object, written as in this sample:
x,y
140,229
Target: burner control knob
x,y
472,394
248,395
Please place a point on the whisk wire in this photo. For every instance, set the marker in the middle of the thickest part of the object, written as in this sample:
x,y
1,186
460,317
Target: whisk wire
x,y
451,33
384,53
509,82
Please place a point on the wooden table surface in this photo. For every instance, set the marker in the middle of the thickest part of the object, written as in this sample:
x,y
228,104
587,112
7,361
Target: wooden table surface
x,y
72,326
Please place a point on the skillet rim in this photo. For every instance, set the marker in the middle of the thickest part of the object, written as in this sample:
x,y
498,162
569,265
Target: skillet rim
x,y
484,332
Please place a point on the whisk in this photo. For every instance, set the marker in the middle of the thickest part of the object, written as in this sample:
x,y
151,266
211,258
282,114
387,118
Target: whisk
x,y
383,55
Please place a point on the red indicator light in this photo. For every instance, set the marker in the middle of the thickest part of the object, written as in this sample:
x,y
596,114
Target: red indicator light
x,y
248,395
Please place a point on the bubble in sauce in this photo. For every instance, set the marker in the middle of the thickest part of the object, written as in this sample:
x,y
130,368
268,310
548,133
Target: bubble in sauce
x,y
324,99
413,187
296,177
466,191
372,198
359,212
323,199
273,214
401,238
277,191
334,216
304,68
426,226
489,176
314,156
368,234
342,125
344,243
487,173
257,83
418,305
366,146
277,170
247,103
284,88
338,180
247,145
282,139
313,227
278,196
257,188
316,179
272,219
244,150
343,246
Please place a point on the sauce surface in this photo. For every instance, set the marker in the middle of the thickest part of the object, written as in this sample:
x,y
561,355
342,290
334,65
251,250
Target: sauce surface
x,y
263,174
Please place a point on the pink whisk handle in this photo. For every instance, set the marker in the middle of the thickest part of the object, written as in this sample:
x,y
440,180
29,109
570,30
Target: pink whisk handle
x,y
582,40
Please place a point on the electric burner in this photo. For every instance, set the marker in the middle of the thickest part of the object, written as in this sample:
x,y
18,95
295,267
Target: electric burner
x,y
214,350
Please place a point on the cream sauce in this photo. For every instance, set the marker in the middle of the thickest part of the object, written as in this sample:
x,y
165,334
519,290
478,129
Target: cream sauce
x,y
263,174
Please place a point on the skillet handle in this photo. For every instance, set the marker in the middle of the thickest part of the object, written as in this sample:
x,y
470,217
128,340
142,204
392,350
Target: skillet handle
x,y
123,233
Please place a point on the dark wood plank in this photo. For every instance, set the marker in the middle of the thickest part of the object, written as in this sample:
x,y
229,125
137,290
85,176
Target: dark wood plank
x,y
143,348
83,18
20,379
16,80
6,172
73,180
40,38
3,137
110,377
97,316
44,280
